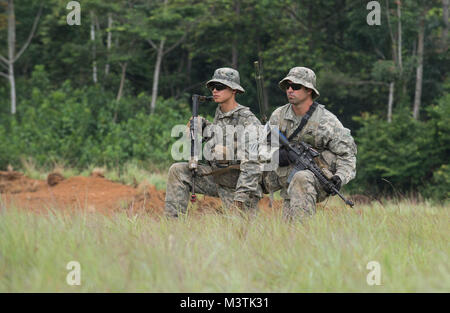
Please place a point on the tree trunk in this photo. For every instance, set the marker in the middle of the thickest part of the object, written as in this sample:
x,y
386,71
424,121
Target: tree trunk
x,y
234,46
94,62
159,57
8,63
122,80
394,43
445,30
391,101
108,42
419,72
12,53
399,25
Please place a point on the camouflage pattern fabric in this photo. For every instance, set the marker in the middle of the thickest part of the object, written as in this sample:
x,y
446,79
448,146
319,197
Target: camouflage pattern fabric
x,y
227,76
303,76
235,185
325,133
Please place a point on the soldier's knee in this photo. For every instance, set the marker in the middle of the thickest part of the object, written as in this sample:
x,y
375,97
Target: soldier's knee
x,y
177,168
303,178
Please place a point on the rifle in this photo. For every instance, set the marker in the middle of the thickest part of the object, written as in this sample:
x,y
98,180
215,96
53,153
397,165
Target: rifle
x,y
260,91
304,160
305,155
193,161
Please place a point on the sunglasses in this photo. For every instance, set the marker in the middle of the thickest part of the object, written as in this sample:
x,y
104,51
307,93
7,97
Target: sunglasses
x,y
293,86
217,86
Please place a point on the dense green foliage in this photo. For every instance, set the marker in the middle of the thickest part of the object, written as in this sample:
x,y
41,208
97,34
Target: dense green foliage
x,y
84,126
406,154
64,115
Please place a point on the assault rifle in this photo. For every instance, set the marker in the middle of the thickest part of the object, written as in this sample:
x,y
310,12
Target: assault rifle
x,y
304,155
193,161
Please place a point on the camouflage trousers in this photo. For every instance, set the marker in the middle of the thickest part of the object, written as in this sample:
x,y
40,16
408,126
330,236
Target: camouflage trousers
x,y
300,196
179,186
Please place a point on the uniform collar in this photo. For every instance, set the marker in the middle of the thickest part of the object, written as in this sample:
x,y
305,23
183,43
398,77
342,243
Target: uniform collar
x,y
220,114
290,115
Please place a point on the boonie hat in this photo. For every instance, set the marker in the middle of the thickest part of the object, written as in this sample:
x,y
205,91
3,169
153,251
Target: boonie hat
x,y
227,76
303,76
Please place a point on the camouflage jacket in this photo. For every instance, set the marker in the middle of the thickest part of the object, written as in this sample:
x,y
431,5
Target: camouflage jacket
x,y
246,180
325,133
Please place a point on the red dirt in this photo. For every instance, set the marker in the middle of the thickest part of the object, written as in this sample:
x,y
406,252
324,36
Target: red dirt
x,y
94,193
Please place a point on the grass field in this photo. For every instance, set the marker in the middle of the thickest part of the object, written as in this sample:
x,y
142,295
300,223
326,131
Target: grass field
x,y
226,253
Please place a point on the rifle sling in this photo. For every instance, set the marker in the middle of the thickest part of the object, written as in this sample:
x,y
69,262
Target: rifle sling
x,y
304,120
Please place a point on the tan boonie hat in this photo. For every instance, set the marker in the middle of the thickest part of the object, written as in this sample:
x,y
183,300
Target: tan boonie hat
x,y
227,76
303,76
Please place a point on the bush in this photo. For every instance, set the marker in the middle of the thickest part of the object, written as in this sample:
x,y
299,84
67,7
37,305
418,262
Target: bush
x,y
406,155
85,126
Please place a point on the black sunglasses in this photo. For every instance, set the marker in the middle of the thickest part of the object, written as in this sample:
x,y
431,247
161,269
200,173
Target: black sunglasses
x,y
217,86
293,86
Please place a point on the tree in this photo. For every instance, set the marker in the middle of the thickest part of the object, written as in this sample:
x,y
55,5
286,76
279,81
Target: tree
x,y
8,63
164,26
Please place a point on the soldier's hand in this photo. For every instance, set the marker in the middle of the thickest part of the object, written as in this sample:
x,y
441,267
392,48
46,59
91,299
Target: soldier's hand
x,y
286,157
337,182
283,157
201,121
220,153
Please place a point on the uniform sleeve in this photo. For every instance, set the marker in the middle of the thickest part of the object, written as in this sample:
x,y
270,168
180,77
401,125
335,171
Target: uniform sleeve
x,y
339,141
250,176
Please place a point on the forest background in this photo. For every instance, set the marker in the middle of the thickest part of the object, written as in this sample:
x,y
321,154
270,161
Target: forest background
x,y
109,91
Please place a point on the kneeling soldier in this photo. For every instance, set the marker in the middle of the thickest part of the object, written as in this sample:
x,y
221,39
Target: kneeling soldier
x,y
234,177
303,119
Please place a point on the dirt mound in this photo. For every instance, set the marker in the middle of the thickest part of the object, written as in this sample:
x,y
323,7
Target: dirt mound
x,y
97,173
152,201
148,199
95,193
14,182
54,178
90,193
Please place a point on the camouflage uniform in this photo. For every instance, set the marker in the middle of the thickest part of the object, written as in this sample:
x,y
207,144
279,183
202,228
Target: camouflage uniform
x,y
242,184
325,133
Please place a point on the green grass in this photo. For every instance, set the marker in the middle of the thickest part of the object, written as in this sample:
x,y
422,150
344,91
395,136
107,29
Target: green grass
x,y
225,253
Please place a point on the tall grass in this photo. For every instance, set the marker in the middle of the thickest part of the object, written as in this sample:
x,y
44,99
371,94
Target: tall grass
x,y
226,253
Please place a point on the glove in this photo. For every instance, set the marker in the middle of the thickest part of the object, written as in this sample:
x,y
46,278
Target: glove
x,y
337,182
286,157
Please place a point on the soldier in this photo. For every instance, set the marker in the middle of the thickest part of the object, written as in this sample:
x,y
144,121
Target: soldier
x,y
323,131
234,177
